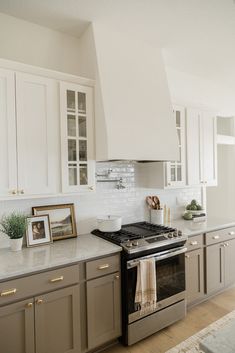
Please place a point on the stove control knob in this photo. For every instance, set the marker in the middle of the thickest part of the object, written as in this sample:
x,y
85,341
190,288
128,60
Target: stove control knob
x,y
135,243
175,234
170,235
180,233
129,244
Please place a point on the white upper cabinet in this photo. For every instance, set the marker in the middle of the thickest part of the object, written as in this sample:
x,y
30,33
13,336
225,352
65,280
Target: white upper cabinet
x,y
77,148
201,147
37,134
8,166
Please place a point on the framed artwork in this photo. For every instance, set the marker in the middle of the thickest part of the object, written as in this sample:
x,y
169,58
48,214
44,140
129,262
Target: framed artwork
x,y
38,231
62,219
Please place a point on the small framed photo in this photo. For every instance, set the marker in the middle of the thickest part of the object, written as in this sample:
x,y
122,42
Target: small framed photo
x,y
62,219
38,231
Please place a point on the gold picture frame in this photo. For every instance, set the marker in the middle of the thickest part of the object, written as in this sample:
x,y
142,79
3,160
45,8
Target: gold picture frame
x,y
62,220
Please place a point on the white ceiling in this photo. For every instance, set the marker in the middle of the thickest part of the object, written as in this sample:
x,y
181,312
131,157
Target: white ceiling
x,y
198,36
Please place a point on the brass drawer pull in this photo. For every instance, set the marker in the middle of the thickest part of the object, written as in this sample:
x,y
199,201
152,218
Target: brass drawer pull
x,y
57,279
39,301
5,293
194,242
215,237
117,276
187,256
29,305
103,267
231,233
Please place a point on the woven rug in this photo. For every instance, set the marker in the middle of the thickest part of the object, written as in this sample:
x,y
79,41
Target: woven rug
x,y
191,345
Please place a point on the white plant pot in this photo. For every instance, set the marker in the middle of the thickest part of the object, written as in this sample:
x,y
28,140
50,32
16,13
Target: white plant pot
x,y
16,244
109,223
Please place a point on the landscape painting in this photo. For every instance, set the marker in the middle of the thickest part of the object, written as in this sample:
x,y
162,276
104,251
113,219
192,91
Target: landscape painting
x,y
62,220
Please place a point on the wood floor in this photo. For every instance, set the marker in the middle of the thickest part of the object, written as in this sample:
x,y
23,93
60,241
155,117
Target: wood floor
x,y
197,318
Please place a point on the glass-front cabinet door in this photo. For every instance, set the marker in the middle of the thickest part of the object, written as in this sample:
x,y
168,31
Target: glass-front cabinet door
x,y
175,170
78,165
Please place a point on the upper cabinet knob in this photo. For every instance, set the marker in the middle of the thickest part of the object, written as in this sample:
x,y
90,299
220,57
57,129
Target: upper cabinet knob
x,y
13,192
91,188
21,191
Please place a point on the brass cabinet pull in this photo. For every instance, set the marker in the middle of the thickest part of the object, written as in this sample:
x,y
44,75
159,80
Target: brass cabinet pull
x,y
187,256
91,188
215,237
103,267
194,242
57,279
227,244
21,191
117,276
39,301
13,192
231,233
7,292
29,305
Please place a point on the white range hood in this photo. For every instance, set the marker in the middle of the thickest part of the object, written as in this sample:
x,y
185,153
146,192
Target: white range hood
x,y
134,119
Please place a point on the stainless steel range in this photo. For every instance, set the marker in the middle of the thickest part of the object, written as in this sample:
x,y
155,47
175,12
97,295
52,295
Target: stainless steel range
x,y
167,246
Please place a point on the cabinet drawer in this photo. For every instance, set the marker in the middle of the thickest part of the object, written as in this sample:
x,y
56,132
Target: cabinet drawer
x,y
102,266
40,283
194,242
220,235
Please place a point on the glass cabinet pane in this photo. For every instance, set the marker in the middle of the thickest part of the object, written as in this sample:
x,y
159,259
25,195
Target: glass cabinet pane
x,y
81,102
177,118
72,150
82,150
71,125
83,174
70,100
82,126
173,173
73,176
179,173
179,136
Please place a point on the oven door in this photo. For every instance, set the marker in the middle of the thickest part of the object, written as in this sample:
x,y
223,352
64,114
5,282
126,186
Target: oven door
x,y
170,281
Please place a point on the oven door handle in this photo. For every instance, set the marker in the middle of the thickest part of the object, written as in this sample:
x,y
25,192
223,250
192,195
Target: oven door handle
x,y
159,257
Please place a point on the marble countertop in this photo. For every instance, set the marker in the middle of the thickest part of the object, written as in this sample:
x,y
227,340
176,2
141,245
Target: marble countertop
x,y
191,228
63,252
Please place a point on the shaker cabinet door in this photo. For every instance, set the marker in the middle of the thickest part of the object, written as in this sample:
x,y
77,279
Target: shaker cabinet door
x,y
17,327
194,268
57,318
229,262
37,134
8,164
103,310
214,268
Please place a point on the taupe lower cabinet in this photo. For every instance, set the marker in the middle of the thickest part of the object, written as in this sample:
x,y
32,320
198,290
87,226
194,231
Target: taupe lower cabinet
x,y
220,265
194,267
17,327
55,317
103,300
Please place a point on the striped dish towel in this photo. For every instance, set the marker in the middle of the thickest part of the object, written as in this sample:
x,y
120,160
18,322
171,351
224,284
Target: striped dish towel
x,y
146,287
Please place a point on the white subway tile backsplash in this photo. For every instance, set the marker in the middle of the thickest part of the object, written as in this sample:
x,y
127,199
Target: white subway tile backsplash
x,y
107,199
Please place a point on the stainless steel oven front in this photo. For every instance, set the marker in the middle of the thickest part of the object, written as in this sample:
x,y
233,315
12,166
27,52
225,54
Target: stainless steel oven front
x,y
170,282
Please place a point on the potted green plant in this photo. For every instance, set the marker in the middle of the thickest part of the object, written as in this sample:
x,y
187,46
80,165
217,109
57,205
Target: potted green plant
x,y
14,225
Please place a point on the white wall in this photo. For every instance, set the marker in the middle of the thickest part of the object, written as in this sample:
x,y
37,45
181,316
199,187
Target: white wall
x,y
32,44
220,199
193,90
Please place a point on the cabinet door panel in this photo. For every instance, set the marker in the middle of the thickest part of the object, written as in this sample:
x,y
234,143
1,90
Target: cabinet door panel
x,y
103,310
8,165
57,322
194,176
194,275
37,133
209,160
214,268
230,262
17,328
